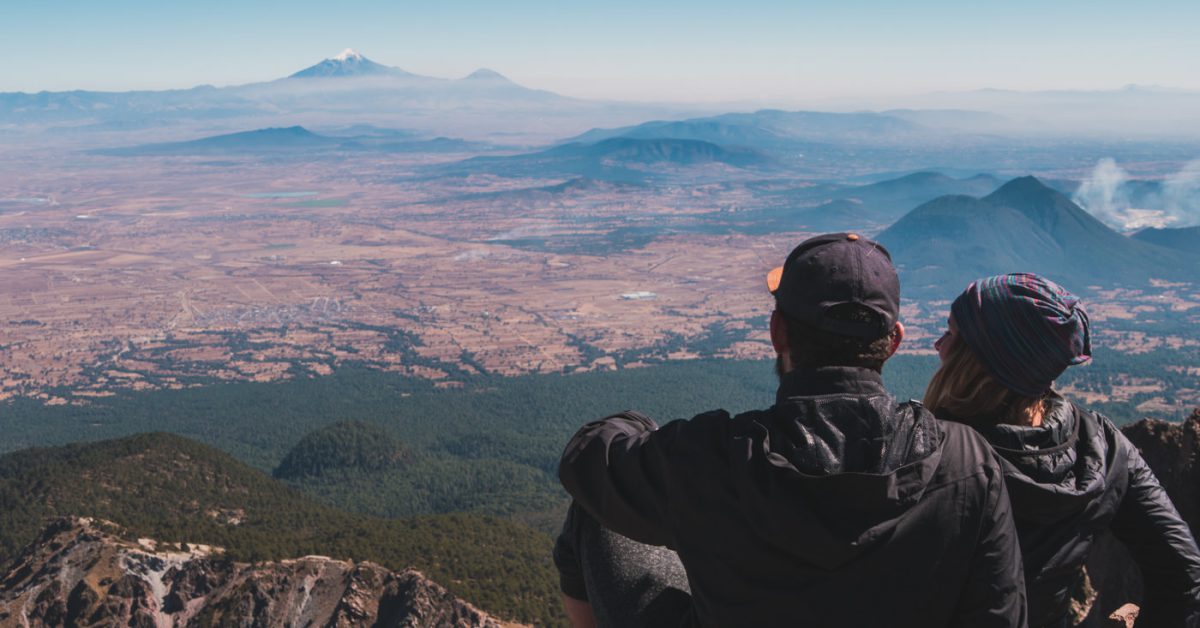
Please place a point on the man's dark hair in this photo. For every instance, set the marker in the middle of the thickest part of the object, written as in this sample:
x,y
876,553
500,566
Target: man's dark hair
x,y
812,347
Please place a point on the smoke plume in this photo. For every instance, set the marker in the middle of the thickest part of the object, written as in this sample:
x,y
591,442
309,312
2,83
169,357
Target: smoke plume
x,y
1127,204
1102,195
1181,195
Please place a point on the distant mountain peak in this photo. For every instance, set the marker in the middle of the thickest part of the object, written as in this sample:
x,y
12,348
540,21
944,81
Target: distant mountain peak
x,y
1027,192
348,62
485,74
1027,183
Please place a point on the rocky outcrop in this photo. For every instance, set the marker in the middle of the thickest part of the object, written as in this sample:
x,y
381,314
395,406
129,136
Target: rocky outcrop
x,y
80,573
1173,452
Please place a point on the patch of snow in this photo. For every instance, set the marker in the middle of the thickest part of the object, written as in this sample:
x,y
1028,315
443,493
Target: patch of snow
x,y
347,55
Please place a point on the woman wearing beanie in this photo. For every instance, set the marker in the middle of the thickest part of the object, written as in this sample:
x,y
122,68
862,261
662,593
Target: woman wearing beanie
x,y
1070,473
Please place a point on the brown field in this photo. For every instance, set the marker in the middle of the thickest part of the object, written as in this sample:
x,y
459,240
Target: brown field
x,y
136,267
149,272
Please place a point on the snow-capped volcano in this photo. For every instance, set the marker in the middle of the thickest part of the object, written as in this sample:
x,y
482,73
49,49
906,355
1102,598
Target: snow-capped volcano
x,y
348,63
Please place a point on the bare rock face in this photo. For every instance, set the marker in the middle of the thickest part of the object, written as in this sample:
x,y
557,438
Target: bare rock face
x,y
1173,452
78,573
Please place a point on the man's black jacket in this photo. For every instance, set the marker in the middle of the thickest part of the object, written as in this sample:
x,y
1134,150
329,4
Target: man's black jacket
x,y
835,507
1069,480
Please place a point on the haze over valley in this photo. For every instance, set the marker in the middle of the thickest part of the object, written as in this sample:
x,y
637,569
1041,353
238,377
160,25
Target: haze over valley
x,y
285,250
454,273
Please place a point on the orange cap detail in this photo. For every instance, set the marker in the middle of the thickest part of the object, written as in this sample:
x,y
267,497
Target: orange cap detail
x,y
773,278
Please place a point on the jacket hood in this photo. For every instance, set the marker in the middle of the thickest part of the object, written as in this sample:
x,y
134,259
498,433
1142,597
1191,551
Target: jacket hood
x,y
834,465
1055,470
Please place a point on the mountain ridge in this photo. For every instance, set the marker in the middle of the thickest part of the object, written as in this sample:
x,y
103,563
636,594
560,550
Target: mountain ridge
x,y
1186,239
1023,226
618,159
334,91
769,128
80,572
270,139
298,140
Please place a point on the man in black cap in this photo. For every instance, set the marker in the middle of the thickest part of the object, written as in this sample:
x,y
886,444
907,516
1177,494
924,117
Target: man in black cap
x,y
837,506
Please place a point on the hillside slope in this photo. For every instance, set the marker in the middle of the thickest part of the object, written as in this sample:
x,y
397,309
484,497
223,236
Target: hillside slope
x,y
346,445
170,488
1185,239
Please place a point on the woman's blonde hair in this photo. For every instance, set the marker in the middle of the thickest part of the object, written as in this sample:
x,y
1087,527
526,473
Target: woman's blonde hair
x,y
963,390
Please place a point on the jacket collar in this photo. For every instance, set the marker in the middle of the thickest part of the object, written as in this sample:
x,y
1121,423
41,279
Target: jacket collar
x,y
829,380
1059,429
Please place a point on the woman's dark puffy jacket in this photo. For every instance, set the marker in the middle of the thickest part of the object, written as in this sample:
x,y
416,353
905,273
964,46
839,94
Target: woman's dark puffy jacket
x,y
1070,479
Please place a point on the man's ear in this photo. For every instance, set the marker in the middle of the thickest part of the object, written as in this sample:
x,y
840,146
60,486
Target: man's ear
x,y
897,336
779,336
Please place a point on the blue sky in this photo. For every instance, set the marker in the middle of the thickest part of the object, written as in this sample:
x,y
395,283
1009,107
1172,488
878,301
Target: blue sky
x,y
761,50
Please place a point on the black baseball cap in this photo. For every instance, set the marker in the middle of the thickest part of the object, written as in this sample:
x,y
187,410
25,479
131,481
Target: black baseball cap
x,y
833,270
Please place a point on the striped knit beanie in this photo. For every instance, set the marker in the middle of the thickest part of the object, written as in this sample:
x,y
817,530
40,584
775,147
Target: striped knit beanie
x,y
1025,329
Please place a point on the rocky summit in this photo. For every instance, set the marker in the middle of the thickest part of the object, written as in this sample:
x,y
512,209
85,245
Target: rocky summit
x,y
80,572
1172,450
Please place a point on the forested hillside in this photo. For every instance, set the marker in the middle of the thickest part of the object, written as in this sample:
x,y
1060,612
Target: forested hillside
x,y
490,446
347,446
525,419
173,489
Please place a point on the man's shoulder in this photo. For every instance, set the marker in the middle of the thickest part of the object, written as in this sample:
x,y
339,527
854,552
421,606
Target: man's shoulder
x,y
713,430
712,416
711,424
